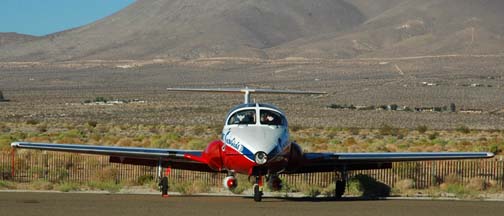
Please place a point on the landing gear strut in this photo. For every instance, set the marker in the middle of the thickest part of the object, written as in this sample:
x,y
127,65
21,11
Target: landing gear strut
x,y
163,180
340,185
258,189
163,186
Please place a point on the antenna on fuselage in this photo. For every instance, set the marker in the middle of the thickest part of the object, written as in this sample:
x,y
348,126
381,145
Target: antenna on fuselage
x,y
246,91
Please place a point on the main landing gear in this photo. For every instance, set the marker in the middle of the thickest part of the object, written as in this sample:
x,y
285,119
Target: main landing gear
x,y
163,180
341,185
163,186
258,188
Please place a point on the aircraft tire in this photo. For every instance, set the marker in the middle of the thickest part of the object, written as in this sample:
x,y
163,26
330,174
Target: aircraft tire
x,y
340,189
164,186
257,193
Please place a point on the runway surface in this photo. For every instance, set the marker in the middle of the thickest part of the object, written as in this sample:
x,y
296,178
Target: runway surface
x,y
76,204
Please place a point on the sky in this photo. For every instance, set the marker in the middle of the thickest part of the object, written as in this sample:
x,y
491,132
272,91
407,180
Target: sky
x,y
42,17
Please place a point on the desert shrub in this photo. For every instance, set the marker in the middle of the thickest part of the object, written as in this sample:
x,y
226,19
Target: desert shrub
x,y
457,189
387,130
100,99
18,135
107,174
36,171
61,174
4,128
41,184
463,129
7,185
144,179
354,131
422,129
165,140
199,130
5,141
495,148
124,141
312,191
72,136
191,187
32,121
68,186
295,128
433,136
477,184
109,185
197,144
378,147
329,191
42,128
349,141
92,123
354,188
404,185
452,178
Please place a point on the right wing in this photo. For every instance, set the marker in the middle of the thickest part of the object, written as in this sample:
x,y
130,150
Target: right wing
x,y
329,161
175,158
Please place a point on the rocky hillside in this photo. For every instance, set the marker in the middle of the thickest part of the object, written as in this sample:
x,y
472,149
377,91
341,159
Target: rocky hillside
x,y
14,38
188,29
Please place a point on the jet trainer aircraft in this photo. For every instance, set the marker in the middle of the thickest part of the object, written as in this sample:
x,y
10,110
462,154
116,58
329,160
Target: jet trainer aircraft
x,y
255,142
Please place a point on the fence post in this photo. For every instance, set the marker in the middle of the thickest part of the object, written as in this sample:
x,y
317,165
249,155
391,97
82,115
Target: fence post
x,y
13,163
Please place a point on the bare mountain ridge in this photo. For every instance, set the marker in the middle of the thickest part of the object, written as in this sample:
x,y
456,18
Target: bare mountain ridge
x,y
190,29
193,29
411,28
13,38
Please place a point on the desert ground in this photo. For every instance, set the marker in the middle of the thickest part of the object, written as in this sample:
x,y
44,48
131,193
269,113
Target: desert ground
x,y
57,92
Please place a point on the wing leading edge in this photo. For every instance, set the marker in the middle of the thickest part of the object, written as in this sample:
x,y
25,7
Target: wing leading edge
x,y
396,157
185,159
326,162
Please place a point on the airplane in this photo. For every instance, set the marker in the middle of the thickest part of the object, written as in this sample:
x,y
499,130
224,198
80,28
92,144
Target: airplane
x,y
255,142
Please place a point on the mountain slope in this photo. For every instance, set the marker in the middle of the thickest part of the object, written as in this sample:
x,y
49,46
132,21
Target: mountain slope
x,y
189,29
192,29
14,38
428,27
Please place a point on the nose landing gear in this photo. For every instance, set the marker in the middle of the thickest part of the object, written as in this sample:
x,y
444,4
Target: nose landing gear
x,y
258,189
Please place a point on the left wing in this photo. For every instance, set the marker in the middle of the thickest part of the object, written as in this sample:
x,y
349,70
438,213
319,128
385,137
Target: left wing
x,y
324,162
180,159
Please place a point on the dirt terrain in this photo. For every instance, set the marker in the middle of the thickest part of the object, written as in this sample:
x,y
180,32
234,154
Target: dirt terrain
x,y
56,91
406,53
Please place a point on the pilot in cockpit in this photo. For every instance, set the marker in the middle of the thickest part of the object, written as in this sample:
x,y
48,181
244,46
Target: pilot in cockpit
x,y
245,118
267,118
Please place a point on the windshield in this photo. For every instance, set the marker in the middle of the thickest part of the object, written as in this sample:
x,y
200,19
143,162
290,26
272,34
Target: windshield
x,y
243,117
269,117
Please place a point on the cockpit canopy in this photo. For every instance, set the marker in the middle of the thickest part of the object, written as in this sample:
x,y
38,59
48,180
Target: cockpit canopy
x,y
256,114
243,117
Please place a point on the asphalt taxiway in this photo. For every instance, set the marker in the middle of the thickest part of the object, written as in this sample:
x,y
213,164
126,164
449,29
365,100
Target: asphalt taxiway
x,y
76,204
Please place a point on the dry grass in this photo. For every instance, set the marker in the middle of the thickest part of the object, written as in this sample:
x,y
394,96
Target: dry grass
x,y
311,139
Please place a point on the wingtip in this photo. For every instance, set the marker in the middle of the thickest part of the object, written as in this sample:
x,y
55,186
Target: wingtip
x,y
15,144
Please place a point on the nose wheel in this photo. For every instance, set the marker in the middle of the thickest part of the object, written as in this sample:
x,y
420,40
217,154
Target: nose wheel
x,y
258,189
